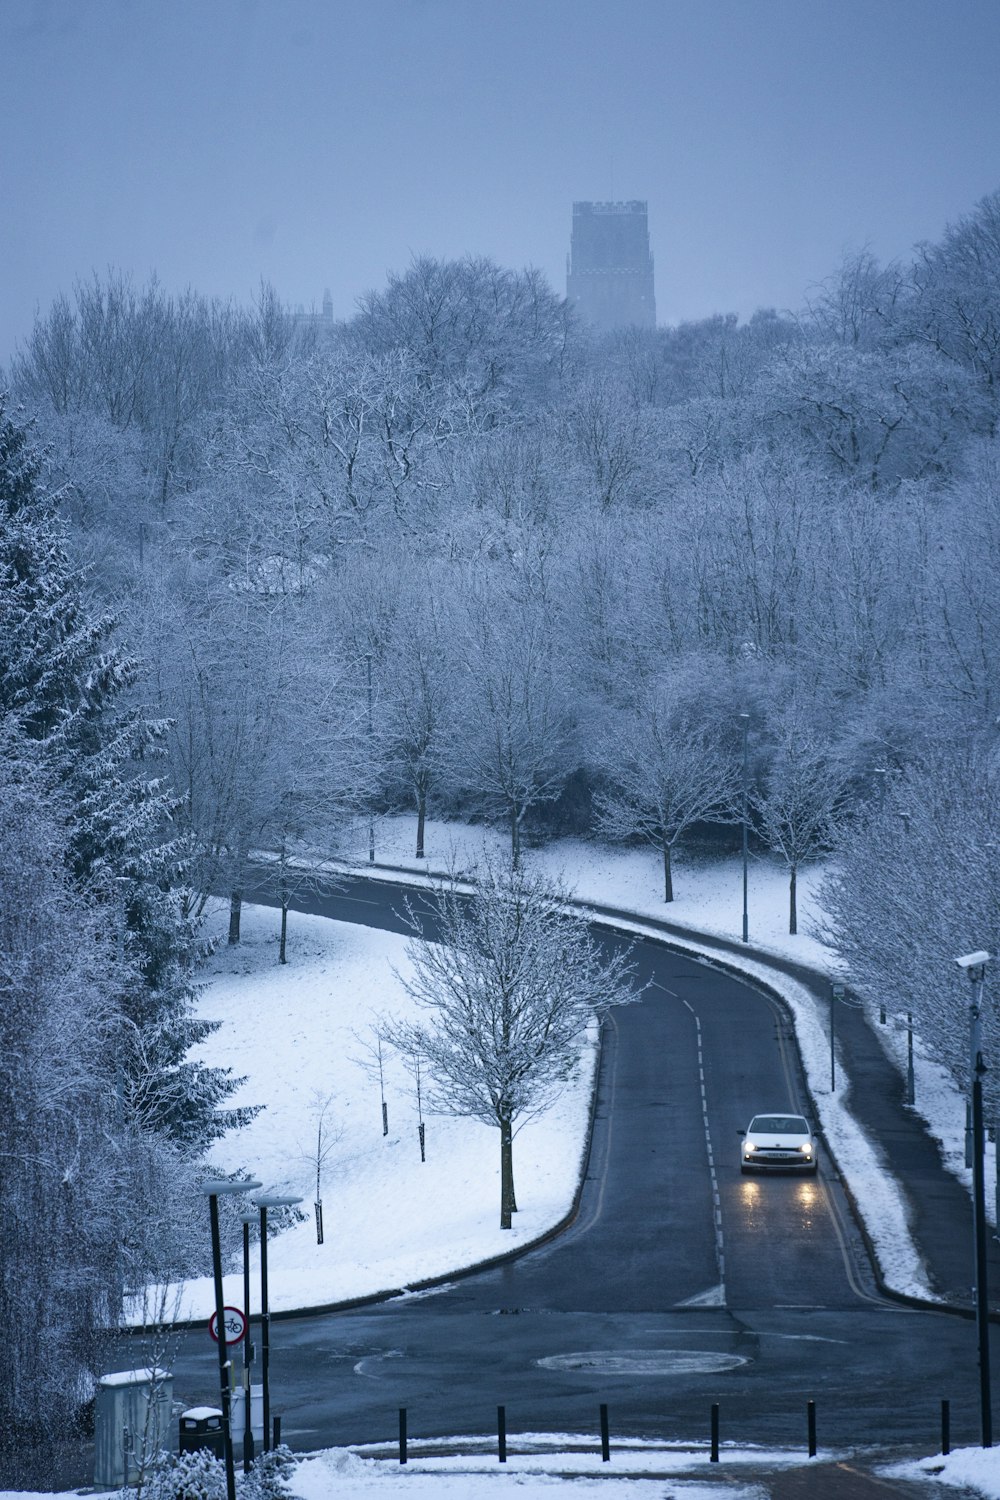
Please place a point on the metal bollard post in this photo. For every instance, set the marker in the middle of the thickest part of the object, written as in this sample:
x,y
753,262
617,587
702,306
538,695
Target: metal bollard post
x,y
502,1434
811,1417
945,1426
276,1428
402,1434
605,1435
714,1455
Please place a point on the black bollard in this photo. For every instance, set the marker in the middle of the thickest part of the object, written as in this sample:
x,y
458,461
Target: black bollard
x,y
605,1435
402,1434
714,1455
811,1417
276,1423
502,1434
945,1426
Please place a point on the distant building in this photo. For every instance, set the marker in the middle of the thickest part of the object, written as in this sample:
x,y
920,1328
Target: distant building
x,y
317,320
609,270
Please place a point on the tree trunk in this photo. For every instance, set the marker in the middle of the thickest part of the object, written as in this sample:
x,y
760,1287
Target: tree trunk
x,y
507,1203
793,920
421,820
668,879
515,842
235,908
284,930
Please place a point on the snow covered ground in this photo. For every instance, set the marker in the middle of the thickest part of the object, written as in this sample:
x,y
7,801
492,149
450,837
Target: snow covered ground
x,y
391,1220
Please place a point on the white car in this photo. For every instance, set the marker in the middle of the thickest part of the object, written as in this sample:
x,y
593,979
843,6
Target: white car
x,y
780,1141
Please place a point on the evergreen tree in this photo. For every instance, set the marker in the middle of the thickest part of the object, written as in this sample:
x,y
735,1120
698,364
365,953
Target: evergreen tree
x,y
66,691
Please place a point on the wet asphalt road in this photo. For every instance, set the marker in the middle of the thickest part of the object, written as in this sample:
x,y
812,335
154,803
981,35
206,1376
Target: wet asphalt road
x,y
681,1283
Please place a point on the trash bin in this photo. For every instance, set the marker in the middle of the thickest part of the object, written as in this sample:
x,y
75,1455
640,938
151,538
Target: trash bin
x,y
201,1427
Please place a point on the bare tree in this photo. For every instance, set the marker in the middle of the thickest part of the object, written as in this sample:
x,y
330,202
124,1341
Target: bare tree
x,y
326,1138
668,769
508,990
513,738
804,804
372,1058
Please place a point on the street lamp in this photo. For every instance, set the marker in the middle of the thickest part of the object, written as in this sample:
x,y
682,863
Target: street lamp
x,y
371,731
974,964
216,1190
264,1202
248,1219
746,780
837,992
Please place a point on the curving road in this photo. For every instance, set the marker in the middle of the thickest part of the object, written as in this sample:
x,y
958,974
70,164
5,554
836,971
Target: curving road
x,y
680,1283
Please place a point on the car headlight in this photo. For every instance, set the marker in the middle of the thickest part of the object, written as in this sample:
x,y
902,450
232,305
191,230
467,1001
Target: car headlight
x,y
806,1148
748,1147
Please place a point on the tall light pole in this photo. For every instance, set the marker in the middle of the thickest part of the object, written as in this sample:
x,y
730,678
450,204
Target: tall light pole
x,y
264,1202
746,791
371,731
248,1219
974,965
837,992
216,1190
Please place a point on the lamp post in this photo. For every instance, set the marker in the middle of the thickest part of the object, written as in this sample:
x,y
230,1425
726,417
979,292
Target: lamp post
x,y
216,1190
836,993
264,1202
746,731
248,1351
974,964
371,731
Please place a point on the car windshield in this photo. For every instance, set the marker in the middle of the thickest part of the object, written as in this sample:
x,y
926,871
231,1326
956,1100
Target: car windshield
x,y
779,1125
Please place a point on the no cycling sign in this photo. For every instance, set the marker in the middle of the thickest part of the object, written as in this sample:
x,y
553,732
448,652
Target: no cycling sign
x,y
234,1324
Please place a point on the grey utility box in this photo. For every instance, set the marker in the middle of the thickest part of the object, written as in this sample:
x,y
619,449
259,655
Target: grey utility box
x,y
132,1423
201,1427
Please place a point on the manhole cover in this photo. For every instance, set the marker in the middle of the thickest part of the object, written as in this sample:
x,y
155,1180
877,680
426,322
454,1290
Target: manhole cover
x,y
645,1362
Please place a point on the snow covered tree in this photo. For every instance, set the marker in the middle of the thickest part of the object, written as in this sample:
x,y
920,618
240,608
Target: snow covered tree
x,y
667,768
508,988
804,802
914,886
67,697
510,737
81,1179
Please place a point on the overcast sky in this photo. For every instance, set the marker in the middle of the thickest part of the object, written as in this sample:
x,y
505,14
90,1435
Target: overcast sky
x,y
320,143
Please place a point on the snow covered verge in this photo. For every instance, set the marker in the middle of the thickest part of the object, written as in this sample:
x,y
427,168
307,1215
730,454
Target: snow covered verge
x,y
298,1032
539,1464
971,1470
391,1221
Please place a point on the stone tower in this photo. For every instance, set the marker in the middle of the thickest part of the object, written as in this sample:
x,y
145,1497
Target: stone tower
x,y
609,271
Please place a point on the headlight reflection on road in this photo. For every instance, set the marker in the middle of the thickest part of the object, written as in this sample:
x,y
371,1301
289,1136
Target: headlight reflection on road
x,y
751,1203
806,1199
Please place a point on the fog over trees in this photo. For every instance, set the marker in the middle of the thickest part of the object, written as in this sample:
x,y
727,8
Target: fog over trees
x,y
260,576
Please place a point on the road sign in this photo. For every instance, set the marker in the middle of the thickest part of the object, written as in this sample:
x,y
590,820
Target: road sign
x,y
235,1325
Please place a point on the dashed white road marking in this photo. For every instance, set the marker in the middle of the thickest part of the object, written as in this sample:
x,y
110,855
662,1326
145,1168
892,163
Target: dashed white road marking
x,y
720,1249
